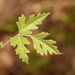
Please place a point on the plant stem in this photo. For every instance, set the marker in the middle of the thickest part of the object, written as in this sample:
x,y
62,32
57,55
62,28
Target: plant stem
x,y
14,36
5,43
9,41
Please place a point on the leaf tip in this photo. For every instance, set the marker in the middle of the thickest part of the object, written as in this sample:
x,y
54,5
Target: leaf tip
x,y
48,13
1,44
22,15
58,53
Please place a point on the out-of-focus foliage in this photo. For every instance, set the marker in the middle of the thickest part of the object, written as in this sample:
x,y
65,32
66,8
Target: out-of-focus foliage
x,y
38,63
9,26
68,22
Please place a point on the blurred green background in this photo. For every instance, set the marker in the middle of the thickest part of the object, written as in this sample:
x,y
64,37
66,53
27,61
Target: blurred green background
x,y
61,26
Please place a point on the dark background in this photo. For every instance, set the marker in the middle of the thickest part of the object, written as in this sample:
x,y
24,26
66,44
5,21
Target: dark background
x,y
61,26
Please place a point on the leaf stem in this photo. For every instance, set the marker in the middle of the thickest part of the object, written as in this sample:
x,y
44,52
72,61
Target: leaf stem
x,y
5,43
14,36
9,41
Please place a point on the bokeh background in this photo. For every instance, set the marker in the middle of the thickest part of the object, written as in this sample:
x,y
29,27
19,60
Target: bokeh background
x,y
61,26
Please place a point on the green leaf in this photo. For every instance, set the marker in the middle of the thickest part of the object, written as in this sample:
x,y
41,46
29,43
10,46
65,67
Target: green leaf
x,y
21,22
44,46
31,24
1,44
20,41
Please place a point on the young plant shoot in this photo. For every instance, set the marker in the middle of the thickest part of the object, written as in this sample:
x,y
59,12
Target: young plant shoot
x,y
41,46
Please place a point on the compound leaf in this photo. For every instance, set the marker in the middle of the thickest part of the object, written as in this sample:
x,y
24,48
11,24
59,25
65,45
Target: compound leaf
x,y
20,41
44,46
31,24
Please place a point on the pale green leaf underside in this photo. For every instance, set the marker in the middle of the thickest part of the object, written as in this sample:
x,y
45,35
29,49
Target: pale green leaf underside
x,y
20,41
31,24
44,46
